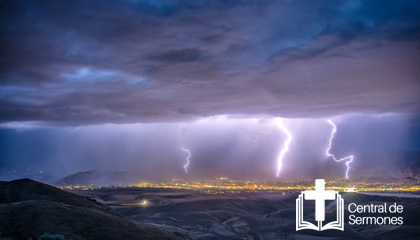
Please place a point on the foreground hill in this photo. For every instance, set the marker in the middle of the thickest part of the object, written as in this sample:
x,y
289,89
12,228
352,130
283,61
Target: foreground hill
x,y
29,208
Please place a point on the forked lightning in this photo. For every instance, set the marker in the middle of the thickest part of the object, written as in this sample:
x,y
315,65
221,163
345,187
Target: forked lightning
x,y
350,158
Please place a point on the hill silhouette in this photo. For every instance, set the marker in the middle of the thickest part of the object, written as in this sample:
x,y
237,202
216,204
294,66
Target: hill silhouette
x,y
29,208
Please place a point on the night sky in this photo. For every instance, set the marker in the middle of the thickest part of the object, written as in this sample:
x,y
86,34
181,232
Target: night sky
x,y
123,85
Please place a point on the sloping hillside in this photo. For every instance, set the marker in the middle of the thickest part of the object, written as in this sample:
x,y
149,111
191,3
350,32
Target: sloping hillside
x,y
29,208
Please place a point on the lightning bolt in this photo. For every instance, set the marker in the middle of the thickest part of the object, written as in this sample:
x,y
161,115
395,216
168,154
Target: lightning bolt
x,y
184,149
188,158
331,155
255,140
285,146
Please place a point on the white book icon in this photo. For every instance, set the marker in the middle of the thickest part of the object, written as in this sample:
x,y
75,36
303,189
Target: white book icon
x,y
319,195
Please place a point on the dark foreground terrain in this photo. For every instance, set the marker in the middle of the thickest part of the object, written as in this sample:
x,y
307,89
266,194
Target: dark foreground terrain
x,y
28,209
194,215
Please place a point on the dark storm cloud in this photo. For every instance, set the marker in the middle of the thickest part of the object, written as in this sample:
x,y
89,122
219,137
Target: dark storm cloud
x,y
179,56
87,62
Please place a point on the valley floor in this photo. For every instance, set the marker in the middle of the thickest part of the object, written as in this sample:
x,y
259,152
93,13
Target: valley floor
x,y
194,215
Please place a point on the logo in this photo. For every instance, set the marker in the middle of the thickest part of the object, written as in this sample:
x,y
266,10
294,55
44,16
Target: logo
x,y
319,195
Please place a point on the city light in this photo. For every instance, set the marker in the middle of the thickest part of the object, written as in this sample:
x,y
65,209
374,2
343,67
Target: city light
x,y
225,185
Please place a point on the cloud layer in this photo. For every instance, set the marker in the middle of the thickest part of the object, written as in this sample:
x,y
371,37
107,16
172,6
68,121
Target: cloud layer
x,y
90,62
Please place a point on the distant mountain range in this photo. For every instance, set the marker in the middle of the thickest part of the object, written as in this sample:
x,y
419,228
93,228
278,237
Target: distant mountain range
x,y
28,209
403,171
94,177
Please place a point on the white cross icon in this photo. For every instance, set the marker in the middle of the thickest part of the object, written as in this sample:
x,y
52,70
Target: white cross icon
x,y
319,195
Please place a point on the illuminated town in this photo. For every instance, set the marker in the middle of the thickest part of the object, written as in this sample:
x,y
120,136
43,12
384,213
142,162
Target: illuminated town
x,y
225,185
